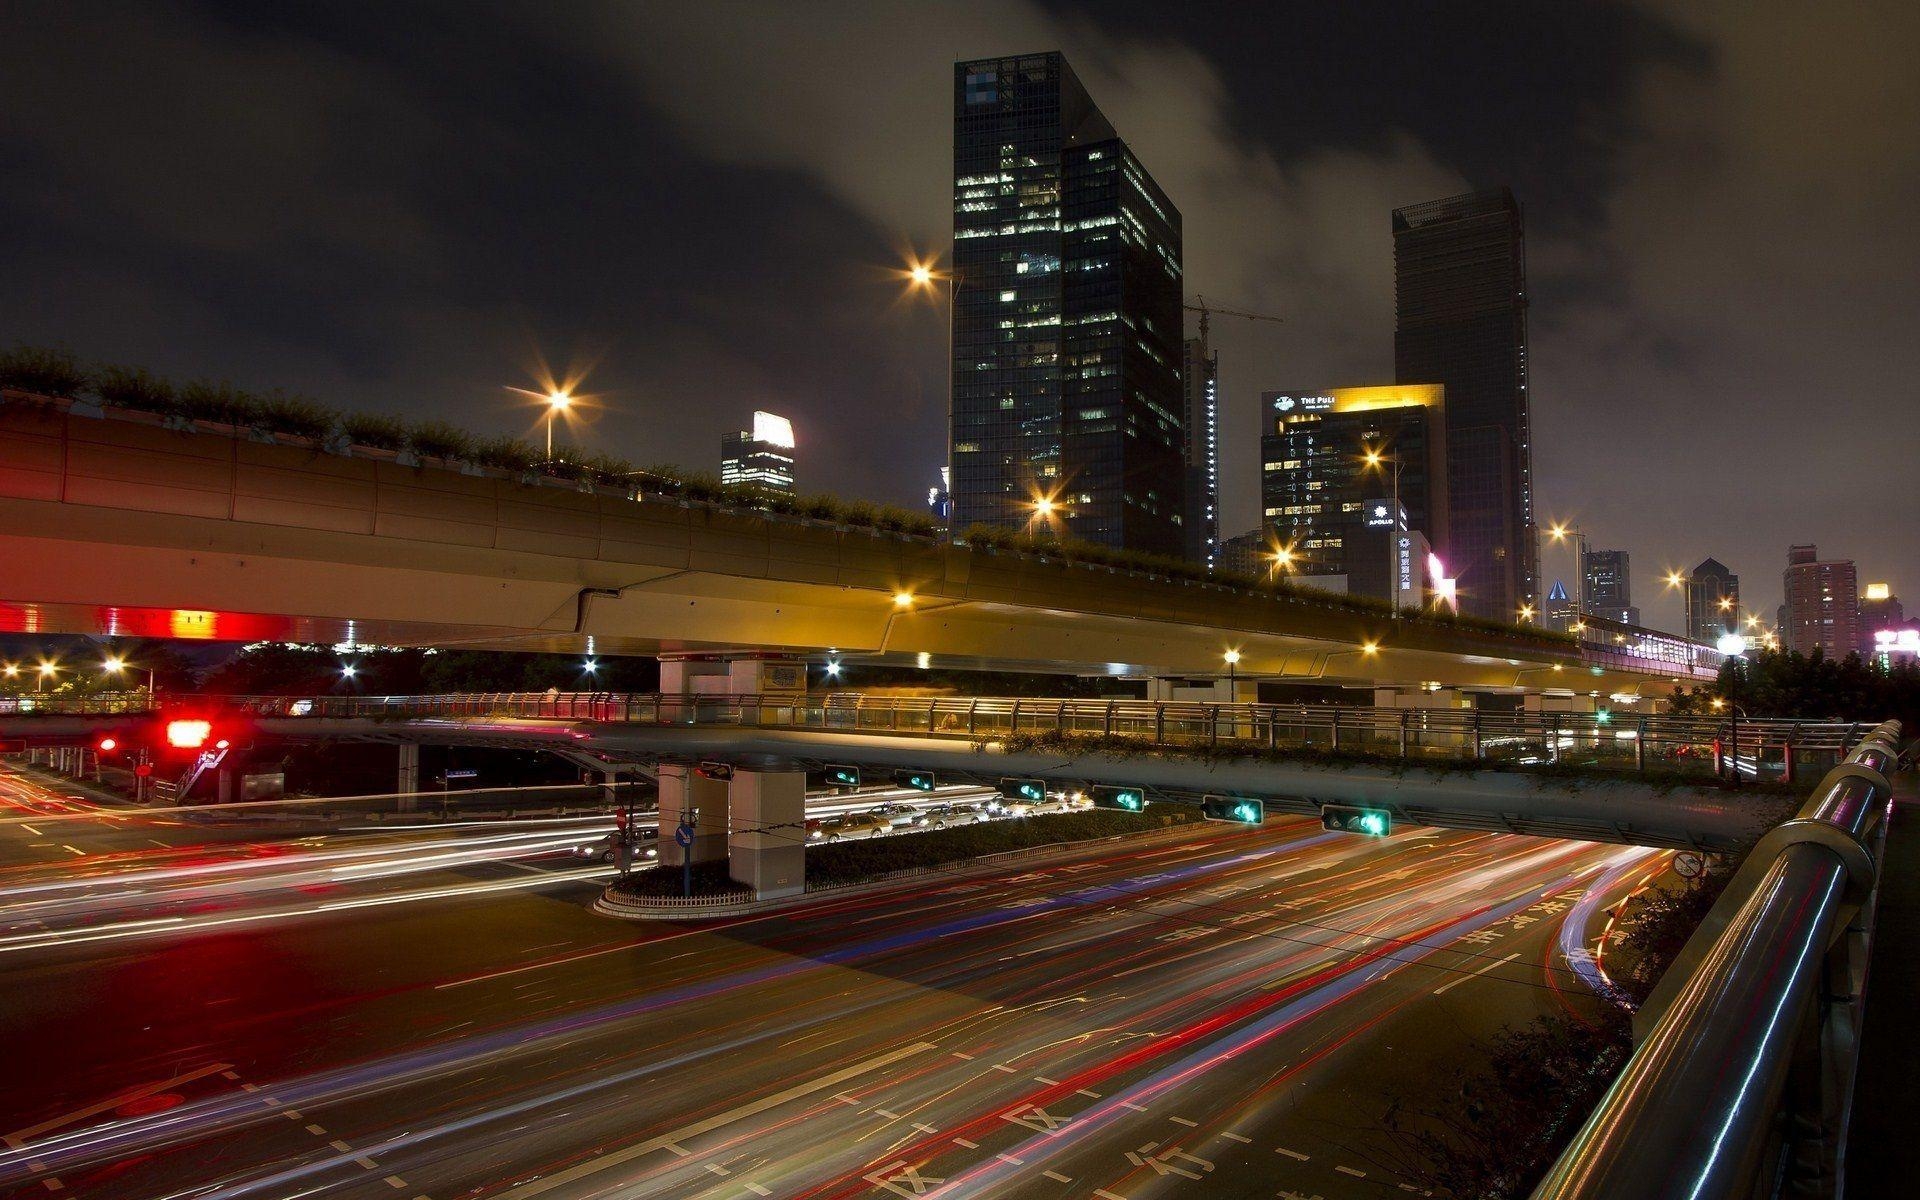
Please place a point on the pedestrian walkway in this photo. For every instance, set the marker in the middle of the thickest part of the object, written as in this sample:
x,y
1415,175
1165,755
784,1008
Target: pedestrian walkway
x,y
1880,1136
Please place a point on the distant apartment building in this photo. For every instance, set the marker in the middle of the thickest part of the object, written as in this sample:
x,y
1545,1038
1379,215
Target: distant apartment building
x,y
1713,602
760,457
1823,604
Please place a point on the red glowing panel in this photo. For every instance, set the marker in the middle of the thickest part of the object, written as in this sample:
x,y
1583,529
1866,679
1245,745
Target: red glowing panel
x,y
108,745
188,735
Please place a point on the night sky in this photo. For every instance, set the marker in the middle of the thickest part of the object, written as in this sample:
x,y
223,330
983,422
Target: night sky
x,y
408,206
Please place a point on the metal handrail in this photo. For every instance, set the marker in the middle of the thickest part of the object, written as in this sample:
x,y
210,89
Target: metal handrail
x,y
1695,1112
1756,748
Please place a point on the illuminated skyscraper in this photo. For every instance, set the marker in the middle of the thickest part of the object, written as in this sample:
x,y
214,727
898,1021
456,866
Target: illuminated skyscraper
x,y
1327,465
1200,375
1067,319
760,457
1460,299
1713,602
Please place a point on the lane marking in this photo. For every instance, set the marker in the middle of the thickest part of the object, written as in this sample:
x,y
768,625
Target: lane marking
x,y
1245,1141
1044,1081
967,1057
717,1169
964,1144
1089,1095
1351,1171
757,1190
396,1183
891,1116
1057,1177
317,1130
20,1137
688,1132
72,850
1130,1104
1184,1121
1454,983
1293,1154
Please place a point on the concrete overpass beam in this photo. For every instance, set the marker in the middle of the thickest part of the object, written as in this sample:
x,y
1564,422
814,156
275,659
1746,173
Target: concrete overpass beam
x,y
684,790
732,675
1420,697
1203,691
768,848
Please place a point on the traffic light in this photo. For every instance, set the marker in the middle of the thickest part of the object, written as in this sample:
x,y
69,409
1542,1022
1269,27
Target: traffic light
x,y
106,745
841,775
715,770
1236,809
1024,789
919,781
1127,799
1342,818
188,734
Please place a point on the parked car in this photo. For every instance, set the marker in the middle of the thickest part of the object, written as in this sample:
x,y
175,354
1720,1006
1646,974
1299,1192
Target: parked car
x,y
942,815
895,813
854,825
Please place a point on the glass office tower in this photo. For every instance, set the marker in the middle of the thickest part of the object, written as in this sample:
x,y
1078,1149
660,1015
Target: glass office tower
x,y
1067,404
1460,300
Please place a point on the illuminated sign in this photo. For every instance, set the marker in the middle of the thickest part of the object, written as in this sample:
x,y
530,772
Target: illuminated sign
x,y
1896,641
775,431
1877,591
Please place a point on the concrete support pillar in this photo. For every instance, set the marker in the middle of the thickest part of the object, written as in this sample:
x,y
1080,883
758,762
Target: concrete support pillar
x,y
685,790
408,782
768,848
1204,690
223,785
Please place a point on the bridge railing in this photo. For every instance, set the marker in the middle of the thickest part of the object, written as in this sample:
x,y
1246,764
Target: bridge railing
x,y
1647,743
1742,1081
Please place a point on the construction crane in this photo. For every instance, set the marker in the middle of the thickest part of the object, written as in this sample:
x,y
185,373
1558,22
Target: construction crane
x,y
1206,311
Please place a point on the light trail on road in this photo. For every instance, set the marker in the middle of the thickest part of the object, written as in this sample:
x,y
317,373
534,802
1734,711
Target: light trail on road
x,y
1228,995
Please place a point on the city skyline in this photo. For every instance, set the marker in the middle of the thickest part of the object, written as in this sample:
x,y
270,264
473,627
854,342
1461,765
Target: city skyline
x,y
1624,341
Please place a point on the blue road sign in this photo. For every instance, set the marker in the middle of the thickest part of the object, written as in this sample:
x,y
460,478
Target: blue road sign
x,y
683,834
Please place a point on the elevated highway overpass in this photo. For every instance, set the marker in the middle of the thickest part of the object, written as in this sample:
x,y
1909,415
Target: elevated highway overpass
x,y
124,524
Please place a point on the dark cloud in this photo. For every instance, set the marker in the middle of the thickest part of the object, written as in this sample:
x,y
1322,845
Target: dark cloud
x,y
405,207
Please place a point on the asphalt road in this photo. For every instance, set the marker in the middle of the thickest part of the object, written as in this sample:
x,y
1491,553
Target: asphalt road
x,y
1227,1015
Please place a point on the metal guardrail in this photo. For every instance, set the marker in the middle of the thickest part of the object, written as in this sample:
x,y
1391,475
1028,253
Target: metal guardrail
x,y
1702,746
1741,1082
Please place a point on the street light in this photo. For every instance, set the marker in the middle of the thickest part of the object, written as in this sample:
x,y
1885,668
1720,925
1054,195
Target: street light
x,y
558,401
922,276
1560,532
47,671
1233,661
115,665
1282,561
1526,612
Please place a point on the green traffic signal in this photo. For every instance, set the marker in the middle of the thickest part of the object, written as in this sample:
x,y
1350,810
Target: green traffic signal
x,y
1236,809
1024,789
1342,818
843,776
1126,799
919,781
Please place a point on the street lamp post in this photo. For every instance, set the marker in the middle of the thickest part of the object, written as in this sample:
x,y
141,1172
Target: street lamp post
x,y
923,275
1374,459
1560,533
557,402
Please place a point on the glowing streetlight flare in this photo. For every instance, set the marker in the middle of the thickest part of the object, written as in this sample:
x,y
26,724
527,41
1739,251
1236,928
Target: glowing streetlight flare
x,y
1044,506
114,665
1232,656
1676,579
48,669
903,599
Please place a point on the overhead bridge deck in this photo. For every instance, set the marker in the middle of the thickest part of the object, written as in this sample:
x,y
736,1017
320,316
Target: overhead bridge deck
x,y
120,524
